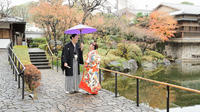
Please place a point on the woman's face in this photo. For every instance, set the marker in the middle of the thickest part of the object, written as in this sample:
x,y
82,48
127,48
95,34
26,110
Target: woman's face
x,y
91,47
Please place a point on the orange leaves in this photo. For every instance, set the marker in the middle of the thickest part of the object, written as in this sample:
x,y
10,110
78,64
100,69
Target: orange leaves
x,y
32,76
54,14
97,20
162,24
47,11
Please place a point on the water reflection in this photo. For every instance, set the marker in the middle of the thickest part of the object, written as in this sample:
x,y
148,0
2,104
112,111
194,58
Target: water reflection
x,y
184,74
189,67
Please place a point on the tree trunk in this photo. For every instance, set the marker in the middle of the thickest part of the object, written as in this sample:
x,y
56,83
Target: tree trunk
x,y
86,14
84,19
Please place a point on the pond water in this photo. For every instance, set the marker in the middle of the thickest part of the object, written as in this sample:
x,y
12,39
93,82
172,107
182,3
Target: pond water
x,y
185,74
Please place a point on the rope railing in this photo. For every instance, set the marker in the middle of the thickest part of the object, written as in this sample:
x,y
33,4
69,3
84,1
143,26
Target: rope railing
x,y
168,85
17,66
154,81
52,56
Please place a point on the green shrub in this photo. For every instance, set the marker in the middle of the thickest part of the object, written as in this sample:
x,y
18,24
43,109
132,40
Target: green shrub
x,y
102,52
102,45
116,38
55,62
160,47
59,54
65,39
43,46
88,37
33,44
128,51
37,41
59,47
136,57
154,54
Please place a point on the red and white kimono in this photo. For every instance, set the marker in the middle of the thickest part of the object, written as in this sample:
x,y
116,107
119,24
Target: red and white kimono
x,y
90,82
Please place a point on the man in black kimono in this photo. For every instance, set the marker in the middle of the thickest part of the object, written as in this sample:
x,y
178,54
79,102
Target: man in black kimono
x,y
73,57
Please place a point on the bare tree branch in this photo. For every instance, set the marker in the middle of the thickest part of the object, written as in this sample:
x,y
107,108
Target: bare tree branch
x,y
88,6
71,3
5,7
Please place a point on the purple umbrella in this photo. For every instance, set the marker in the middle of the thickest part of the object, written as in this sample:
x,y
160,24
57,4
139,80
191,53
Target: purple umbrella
x,y
80,29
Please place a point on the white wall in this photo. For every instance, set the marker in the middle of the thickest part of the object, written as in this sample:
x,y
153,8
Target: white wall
x,y
37,35
4,43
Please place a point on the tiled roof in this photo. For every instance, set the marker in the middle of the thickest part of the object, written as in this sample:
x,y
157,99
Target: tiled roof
x,y
133,11
182,8
12,20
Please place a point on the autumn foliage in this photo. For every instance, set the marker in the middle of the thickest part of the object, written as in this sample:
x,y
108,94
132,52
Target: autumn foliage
x,y
32,76
55,17
162,25
106,24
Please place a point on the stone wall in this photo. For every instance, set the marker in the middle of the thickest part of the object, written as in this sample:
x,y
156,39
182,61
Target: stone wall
x,y
172,50
185,51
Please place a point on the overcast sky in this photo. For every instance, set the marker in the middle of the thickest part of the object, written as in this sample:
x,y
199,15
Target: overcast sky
x,y
137,4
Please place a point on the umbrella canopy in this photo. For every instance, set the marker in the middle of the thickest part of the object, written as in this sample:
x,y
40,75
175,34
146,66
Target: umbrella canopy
x,y
80,29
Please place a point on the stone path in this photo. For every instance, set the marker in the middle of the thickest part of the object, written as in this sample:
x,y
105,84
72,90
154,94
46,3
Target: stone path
x,y
52,98
35,50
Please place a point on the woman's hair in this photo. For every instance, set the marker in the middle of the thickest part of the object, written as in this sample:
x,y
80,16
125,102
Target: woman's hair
x,y
72,36
95,45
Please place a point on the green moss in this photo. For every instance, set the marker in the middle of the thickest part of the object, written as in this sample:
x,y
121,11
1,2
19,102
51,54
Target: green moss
x,y
105,60
147,58
154,54
22,53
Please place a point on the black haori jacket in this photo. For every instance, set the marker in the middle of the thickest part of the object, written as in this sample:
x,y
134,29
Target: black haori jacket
x,y
69,55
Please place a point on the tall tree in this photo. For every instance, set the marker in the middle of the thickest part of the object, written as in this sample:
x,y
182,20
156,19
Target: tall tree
x,y
141,20
144,38
88,6
5,8
71,3
55,17
162,24
23,10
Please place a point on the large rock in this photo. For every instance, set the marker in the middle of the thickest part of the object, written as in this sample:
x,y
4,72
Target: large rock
x,y
178,61
115,65
125,66
149,65
130,66
166,62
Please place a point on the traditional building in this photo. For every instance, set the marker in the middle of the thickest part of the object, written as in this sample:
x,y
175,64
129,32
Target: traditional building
x,y
131,14
33,32
12,29
186,44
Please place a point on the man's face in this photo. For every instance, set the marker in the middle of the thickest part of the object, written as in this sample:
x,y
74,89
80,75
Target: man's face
x,y
75,39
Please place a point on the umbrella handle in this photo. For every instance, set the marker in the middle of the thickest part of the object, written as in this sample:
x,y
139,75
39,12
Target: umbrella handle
x,y
81,38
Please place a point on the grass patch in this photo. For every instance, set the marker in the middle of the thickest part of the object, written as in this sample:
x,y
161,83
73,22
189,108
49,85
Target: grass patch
x,y
22,53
